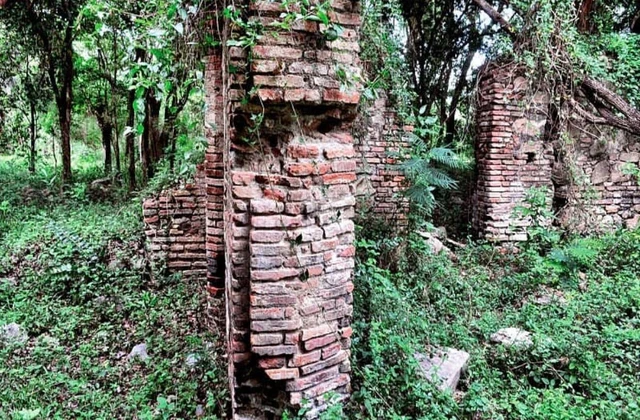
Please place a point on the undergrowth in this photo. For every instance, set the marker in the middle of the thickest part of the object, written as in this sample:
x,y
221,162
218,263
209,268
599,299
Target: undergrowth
x,y
584,362
74,275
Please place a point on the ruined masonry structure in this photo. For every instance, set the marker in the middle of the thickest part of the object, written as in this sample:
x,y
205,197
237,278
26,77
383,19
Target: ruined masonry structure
x,y
268,221
582,168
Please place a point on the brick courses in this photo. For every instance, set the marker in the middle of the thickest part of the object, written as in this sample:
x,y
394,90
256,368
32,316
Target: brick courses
x,y
275,204
587,188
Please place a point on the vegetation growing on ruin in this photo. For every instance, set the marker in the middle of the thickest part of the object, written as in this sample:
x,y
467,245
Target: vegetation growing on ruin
x,y
75,276
102,101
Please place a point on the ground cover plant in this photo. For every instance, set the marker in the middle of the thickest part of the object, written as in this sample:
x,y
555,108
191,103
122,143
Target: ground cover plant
x,y
74,277
584,360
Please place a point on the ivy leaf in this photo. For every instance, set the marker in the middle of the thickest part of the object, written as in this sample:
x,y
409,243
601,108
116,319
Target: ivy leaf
x,y
179,27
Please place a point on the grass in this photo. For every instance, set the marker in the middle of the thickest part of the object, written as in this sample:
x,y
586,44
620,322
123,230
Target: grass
x,y
585,360
74,275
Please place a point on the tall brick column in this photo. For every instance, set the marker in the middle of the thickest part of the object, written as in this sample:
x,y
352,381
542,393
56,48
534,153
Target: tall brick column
x,y
511,153
290,173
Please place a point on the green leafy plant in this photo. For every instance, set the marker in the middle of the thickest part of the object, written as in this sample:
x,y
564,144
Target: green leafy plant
x,y
427,167
537,212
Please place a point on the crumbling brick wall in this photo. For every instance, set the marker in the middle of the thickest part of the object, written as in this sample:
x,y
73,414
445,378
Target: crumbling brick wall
x,y
277,198
175,228
581,169
380,143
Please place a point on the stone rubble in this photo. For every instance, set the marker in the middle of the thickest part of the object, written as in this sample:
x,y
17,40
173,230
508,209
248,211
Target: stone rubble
x,y
512,337
444,367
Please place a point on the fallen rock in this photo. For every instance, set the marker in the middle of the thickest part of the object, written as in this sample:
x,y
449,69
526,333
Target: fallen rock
x,y
601,173
436,244
13,334
512,337
444,366
547,296
192,359
139,352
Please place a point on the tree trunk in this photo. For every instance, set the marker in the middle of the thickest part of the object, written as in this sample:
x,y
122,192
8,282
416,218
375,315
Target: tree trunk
x,y
116,148
169,137
65,103
150,148
130,139
64,109
107,138
32,130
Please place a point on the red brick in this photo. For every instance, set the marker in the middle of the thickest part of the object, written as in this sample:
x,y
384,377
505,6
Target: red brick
x,y
276,221
287,81
320,342
265,51
309,381
265,66
275,194
332,350
274,350
336,95
305,358
323,388
343,166
282,374
339,178
272,362
334,152
267,313
271,95
301,169
268,236
325,245
321,330
346,332
274,275
336,359
266,339
275,325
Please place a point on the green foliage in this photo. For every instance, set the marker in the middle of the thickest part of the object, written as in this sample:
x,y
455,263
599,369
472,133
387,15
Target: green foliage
x,y
383,55
428,167
579,367
81,288
537,212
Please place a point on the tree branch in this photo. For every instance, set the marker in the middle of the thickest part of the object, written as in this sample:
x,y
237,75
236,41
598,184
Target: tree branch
x,y
496,17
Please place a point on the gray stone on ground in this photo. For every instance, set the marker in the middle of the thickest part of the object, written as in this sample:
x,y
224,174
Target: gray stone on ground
x,y
12,334
436,244
139,352
192,359
512,337
444,366
547,296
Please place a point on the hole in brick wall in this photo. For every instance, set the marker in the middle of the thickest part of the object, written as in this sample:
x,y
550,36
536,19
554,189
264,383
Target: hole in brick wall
x,y
328,124
531,157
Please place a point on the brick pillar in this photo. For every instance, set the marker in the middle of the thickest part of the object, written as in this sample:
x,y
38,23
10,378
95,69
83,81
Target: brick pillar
x,y
290,182
511,153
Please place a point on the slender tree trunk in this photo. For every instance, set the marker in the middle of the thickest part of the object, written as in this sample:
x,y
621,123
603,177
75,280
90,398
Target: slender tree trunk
x,y
150,148
32,130
116,148
106,130
169,137
65,103
107,138
130,140
64,108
